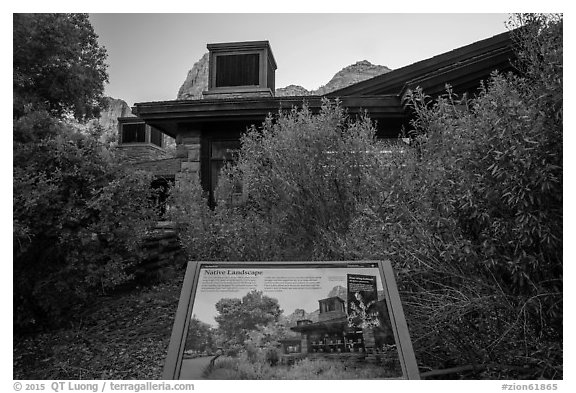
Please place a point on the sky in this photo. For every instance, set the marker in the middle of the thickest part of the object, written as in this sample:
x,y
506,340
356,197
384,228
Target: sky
x,y
149,55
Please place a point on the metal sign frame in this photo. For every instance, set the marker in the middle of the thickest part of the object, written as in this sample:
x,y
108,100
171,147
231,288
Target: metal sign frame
x,y
404,346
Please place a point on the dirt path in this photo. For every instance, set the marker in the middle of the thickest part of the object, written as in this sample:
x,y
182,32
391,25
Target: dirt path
x,y
193,368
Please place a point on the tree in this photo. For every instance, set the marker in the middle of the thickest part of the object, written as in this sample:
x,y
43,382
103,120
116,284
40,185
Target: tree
x,y
58,65
239,316
200,336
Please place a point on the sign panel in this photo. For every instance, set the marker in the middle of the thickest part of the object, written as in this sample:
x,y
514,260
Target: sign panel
x,y
290,320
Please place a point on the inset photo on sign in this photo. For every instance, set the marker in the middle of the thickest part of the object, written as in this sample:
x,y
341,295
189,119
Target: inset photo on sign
x,y
289,321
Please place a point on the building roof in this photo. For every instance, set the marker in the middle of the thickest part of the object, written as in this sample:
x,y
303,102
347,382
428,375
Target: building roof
x,y
381,97
332,298
165,115
462,67
337,324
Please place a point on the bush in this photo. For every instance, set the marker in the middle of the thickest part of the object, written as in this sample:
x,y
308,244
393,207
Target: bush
x,y
290,204
481,249
78,220
304,369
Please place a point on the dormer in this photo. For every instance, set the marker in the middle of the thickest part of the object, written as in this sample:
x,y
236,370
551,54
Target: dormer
x,y
240,69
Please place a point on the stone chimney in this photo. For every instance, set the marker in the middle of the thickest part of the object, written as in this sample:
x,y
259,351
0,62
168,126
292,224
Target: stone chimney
x,y
240,69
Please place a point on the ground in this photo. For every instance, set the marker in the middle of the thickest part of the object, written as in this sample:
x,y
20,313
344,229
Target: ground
x,y
124,336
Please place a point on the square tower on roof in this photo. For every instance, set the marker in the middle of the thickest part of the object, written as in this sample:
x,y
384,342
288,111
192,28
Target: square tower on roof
x,y
240,69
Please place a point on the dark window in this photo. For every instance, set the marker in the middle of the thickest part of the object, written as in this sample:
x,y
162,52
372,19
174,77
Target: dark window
x,y
238,70
221,152
156,137
133,133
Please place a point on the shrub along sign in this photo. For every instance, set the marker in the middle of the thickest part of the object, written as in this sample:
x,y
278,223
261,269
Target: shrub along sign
x,y
290,320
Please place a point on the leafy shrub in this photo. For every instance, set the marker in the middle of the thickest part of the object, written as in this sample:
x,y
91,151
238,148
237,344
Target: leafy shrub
x,y
290,203
78,220
239,368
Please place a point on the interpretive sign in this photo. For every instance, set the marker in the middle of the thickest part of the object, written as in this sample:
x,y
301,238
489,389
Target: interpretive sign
x,y
290,320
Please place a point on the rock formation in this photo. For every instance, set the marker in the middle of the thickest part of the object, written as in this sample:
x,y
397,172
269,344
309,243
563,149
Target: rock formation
x,y
339,291
108,120
354,73
196,82
292,90
115,108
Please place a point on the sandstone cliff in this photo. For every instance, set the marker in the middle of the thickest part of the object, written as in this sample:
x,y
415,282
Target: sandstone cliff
x,y
292,90
108,120
196,81
115,108
354,73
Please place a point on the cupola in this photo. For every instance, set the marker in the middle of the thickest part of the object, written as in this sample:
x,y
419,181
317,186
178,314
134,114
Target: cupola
x,y
240,69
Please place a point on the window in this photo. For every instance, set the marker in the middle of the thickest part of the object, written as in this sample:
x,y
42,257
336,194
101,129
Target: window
x,y
238,70
156,137
134,133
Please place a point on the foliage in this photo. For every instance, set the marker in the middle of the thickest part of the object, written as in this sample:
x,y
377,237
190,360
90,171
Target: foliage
x,y
289,204
237,317
200,337
539,49
58,65
241,368
78,219
485,243
262,343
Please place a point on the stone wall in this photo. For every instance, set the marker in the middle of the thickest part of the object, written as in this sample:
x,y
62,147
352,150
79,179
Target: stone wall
x,y
165,168
188,152
163,253
135,152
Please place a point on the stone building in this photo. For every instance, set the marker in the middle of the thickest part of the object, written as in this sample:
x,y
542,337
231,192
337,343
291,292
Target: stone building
x,y
241,90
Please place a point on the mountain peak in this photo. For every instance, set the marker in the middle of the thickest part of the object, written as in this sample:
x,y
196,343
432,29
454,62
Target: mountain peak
x,y
357,72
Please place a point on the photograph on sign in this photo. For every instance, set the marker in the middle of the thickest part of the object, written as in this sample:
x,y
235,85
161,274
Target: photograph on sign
x,y
292,321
